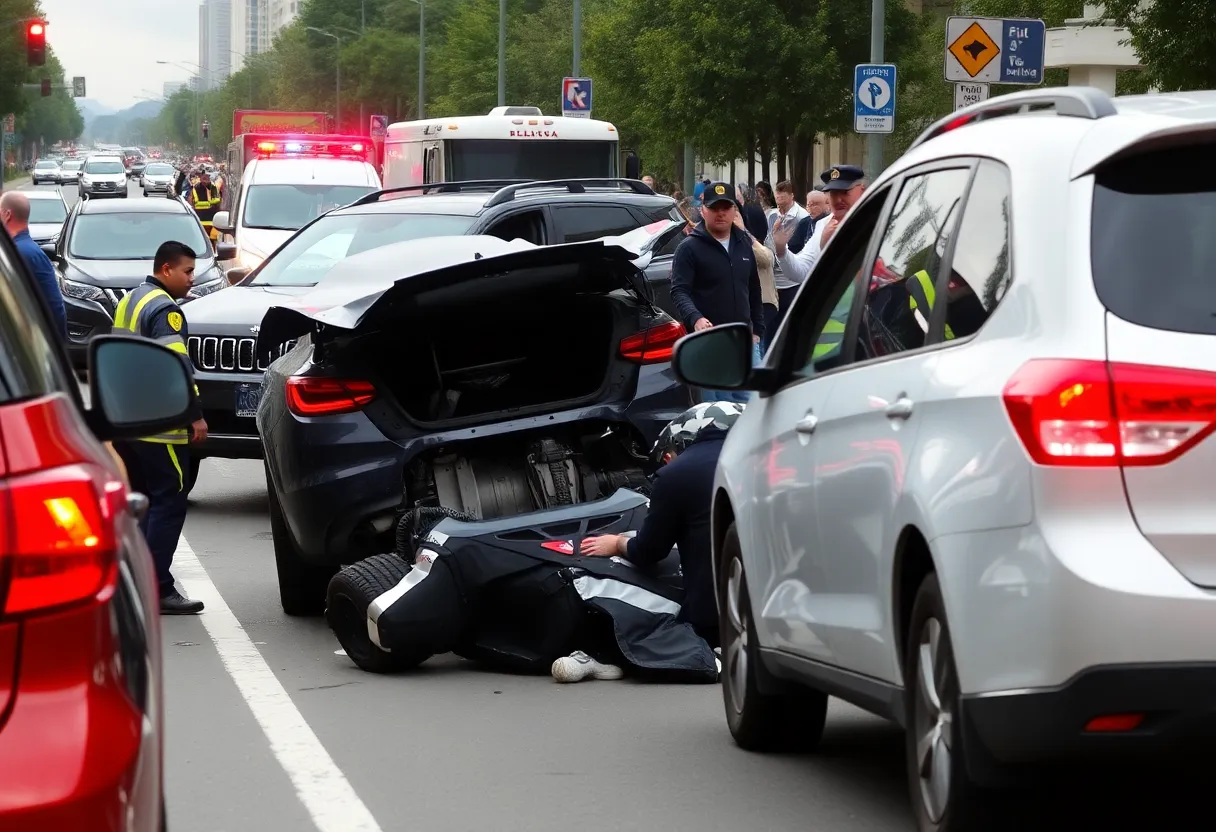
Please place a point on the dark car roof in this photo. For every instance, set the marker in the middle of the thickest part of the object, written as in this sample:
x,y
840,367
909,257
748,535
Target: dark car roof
x,y
132,206
472,203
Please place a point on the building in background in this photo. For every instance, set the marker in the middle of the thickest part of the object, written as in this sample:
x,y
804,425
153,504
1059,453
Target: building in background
x,y
214,44
280,14
249,32
171,88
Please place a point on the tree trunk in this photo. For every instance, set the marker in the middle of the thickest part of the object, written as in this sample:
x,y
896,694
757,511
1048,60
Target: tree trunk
x,y
782,152
751,159
766,157
803,145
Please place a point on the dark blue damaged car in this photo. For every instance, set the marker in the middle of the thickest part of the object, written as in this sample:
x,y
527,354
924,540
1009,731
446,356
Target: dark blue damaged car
x,y
492,377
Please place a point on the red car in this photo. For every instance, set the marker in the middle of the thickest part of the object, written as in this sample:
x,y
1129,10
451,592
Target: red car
x,y
80,652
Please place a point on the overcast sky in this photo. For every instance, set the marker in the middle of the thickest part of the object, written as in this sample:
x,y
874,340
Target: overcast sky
x,y
115,44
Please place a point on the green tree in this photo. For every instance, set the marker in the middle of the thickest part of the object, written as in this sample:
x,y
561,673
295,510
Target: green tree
x,y
52,118
13,67
1175,39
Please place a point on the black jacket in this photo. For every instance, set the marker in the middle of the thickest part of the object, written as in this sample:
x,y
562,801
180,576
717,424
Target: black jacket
x,y
708,283
160,325
806,227
755,221
679,516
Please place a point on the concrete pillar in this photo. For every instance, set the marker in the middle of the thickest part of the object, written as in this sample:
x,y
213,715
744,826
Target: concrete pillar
x,y
1102,77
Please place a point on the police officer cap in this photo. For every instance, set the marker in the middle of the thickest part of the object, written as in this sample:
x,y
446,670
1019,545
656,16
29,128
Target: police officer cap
x,y
716,192
841,177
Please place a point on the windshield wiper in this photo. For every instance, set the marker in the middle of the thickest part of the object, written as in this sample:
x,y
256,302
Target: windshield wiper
x,y
274,227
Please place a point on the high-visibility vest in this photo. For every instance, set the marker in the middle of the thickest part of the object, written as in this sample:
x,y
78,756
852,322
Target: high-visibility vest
x,y
134,311
921,296
829,339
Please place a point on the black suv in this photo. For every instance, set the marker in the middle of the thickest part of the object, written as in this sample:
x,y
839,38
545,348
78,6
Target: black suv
x,y
224,327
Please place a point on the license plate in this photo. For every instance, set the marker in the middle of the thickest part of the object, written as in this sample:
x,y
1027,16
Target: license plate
x,y
247,398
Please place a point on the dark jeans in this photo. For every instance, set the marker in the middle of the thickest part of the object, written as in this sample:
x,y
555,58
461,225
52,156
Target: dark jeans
x,y
772,316
785,299
158,471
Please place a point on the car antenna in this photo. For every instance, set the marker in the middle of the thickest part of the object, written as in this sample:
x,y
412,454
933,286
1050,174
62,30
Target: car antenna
x,y
477,255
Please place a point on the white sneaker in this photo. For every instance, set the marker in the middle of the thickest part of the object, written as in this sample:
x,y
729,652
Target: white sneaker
x,y
579,666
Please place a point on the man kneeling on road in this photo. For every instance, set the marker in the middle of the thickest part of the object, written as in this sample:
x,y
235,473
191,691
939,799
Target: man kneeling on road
x,y
679,516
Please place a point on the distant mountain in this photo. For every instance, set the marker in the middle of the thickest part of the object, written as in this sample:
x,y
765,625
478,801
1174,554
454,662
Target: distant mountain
x,y
141,109
91,109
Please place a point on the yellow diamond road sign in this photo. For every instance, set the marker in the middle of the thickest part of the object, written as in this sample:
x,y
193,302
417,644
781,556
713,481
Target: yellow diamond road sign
x,y
974,49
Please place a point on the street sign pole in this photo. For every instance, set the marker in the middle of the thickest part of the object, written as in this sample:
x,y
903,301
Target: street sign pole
x,y
874,141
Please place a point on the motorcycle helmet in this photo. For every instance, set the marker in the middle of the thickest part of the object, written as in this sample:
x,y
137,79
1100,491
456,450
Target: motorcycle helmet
x,y
683,430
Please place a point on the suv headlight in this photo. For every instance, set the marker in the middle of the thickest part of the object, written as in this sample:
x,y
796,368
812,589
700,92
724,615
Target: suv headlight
x,y
80,291
208,287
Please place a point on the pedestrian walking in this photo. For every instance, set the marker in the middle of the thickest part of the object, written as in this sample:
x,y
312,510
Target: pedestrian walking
x,y
715,278
15,214
157,465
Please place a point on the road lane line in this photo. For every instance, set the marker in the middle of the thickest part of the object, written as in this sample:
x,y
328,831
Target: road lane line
x,y
325,792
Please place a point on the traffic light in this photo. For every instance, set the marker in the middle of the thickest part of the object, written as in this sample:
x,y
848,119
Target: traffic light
x,y
206,129
46,87
35,43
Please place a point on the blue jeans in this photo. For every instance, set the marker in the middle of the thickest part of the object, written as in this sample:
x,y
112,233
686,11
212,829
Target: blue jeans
x,y
741,396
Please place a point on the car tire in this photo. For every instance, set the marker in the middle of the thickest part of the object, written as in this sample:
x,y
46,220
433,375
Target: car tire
x,y
350,593
944,799
758,720
302,586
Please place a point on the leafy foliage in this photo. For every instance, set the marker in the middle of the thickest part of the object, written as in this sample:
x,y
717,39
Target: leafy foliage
x,y
1175,39
53,118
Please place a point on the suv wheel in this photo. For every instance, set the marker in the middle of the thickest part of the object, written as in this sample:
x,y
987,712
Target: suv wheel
x,y
943,797
302,586
758,721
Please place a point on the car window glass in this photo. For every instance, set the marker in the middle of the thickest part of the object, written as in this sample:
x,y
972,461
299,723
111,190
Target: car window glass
x,y
133,236
1152,246
28,365
819,345
291,207
102,168
901,293
577,223
47,211
979,268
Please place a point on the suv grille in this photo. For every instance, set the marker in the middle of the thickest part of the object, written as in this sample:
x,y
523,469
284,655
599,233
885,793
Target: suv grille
x,y
229,354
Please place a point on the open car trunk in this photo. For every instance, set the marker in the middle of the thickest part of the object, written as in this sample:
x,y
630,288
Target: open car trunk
x,y
512,354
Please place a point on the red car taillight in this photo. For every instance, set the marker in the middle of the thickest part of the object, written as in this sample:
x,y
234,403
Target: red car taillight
x,y
318,396
1095,413
653,345
58,531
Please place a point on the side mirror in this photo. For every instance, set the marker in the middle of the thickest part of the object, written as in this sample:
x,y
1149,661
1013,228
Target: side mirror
x,y
716,359
49,249
225,251
137,388
236,274
633,166
222,221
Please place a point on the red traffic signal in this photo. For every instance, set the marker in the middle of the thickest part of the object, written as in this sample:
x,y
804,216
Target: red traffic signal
x,y
46,87
35,43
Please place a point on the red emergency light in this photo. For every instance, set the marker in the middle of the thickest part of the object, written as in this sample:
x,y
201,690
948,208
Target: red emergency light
x,y
325,148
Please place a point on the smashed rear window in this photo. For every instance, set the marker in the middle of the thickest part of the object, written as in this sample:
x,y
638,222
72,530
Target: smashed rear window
x,y
1154,239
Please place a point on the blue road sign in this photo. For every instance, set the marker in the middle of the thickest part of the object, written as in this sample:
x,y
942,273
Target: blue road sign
x,y
874,98
576,97
990,50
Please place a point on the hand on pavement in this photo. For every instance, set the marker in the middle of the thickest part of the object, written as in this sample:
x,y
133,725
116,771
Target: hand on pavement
x,y
702,323
604,546
198,431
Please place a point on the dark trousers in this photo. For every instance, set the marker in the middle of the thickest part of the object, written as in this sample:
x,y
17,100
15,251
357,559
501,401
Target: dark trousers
x,y
158,471
785,299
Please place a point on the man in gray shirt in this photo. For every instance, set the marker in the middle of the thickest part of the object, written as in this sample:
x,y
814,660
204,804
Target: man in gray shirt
x,y
788,214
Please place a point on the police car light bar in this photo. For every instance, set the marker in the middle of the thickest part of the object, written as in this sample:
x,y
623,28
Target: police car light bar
x,y
316,149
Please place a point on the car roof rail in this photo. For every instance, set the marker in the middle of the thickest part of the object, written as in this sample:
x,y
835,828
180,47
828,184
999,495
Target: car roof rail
x,y
574,186
440,188
1077,102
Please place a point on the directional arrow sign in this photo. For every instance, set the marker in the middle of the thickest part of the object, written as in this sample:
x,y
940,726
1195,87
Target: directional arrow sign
x,y
576,97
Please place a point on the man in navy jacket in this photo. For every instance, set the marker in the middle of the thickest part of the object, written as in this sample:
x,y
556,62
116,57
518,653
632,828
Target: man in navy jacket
x,y
714,279
15,214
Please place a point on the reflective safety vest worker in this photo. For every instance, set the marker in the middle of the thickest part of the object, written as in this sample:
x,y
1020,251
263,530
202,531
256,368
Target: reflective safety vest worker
x,y
921,296
136,313
829,339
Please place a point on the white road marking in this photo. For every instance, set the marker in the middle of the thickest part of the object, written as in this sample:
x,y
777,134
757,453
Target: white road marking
x,y
325,792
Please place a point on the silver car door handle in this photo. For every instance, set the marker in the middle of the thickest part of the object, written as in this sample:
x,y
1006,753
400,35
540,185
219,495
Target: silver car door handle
x,y
807,423
901,408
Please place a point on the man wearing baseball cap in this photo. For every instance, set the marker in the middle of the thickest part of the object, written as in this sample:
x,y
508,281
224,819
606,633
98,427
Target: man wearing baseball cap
x,y
844,185
714,279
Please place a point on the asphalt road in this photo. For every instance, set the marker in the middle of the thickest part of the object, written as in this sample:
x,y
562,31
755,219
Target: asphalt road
x,y
269,728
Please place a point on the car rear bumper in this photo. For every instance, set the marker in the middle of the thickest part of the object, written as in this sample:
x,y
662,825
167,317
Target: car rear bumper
x,y
1177,703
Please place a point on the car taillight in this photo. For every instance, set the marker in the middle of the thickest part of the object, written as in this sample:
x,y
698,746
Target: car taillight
x,y
1095,413
317,396
60,541
653,345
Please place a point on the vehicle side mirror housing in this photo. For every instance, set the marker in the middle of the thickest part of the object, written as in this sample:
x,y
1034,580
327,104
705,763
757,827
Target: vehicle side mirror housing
x,y
633,165
137,388
49,249
225,251
719,358
222,221
236,274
